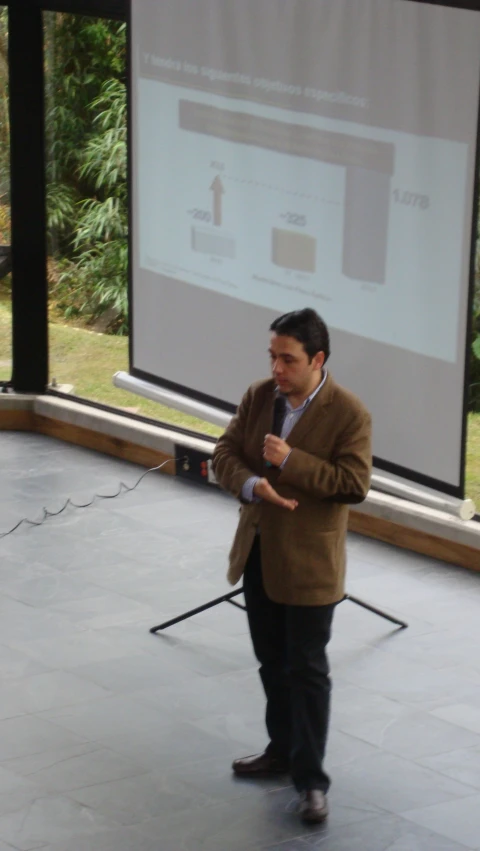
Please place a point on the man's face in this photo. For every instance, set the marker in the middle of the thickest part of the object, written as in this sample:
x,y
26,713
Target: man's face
x,y
291,367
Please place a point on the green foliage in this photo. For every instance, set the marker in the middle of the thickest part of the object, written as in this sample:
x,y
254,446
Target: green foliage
x,y
87,193
4,116
5,283
96,282
82,53
105,155
61,201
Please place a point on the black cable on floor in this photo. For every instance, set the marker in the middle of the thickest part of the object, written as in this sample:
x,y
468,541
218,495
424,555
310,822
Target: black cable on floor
x,y
123,487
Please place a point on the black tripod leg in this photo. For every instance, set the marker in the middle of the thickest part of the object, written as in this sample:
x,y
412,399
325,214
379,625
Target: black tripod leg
x,y
225,599
376,611
237,605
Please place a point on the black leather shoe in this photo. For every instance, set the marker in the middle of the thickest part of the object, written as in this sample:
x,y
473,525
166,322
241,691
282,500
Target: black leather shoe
x,y
313,806
260,765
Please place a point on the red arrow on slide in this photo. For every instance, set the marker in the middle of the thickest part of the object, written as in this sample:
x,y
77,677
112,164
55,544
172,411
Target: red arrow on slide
x,y
218,190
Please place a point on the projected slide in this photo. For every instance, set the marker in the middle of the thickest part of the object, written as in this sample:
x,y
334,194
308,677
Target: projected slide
x,y
309,153
269,206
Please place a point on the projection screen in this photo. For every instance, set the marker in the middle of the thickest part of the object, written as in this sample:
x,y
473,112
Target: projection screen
x,y
320,153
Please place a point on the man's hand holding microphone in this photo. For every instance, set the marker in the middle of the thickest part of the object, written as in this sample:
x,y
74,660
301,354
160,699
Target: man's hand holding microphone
x,y
275,451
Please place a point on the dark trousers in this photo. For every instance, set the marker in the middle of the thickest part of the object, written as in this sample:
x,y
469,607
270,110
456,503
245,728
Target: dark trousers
x,y
290,644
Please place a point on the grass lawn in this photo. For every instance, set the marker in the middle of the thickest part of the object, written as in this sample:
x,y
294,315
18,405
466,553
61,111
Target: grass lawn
x,y
472,487
88,361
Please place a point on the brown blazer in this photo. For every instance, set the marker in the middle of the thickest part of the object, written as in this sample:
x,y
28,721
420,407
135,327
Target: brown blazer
x,y
303,551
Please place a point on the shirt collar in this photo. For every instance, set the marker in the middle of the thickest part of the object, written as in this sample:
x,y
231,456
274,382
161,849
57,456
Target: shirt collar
x,y
309,398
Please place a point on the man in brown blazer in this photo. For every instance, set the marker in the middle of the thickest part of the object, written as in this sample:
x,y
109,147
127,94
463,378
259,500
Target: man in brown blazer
x,y
295,486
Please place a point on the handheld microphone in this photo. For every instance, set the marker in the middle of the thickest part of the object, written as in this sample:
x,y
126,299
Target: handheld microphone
x,y
279,407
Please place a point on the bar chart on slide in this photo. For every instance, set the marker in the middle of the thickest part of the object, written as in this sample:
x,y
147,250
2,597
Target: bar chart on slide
x,y
368,163
281,209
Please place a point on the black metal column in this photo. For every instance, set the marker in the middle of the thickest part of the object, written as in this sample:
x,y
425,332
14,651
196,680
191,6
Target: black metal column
x,y
29,256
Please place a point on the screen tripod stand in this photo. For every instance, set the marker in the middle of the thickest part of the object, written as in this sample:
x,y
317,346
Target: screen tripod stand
x,y
228,598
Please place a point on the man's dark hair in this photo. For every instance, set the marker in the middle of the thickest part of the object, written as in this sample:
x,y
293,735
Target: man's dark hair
x,y
307,327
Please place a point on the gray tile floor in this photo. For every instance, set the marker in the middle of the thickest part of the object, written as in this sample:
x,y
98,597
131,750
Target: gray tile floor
x,y
112,739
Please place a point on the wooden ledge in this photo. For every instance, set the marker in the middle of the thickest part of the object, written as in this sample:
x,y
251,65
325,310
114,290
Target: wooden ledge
x,y
385,518
416,540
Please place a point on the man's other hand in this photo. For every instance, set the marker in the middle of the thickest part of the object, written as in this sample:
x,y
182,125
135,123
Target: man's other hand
x,y
264,490
275,450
